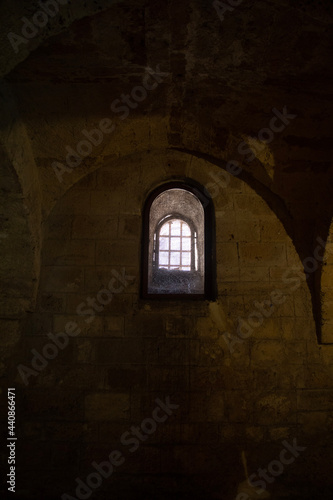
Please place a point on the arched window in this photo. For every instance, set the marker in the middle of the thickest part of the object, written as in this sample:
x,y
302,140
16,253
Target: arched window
x,y
178,250
176,245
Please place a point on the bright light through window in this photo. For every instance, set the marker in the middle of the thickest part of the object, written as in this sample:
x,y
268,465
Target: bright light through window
x,y
176,246
177,242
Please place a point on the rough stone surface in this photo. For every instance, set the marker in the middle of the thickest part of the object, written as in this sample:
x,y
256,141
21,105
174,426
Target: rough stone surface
x,y
247,371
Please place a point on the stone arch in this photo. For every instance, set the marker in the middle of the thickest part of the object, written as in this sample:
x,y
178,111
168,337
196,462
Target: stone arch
x,y
92,233
14,52
18,267
21,234
326,288
186,162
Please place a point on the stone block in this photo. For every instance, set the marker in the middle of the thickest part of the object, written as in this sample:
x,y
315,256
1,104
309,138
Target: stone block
x,y
272,230
316,422
145,461
327,334
14,307
38,343
58,227
225,231
269,352
239,407
111,351
262,254
11,333
206,328
189,433
327,298
207,352
327,354
277,272
207,407
247,206
87,183
220,378
39,324
124,377
130,227
75,300
179,327
92,227
302,304
315,400
94,328
327,277
270,329
254,274
117,253
226,274
286,309
314,351
296,352
318,377
53,302
145,324
84,350
206,379
71,431
118,304
296,329
110,433
121,304
281,433
166,378
143,403
275,409
230,433
223,203
176,351
248,231
78,377
61,279
255,434
97,277
185,460
107,406
235,306
227,254
105,203
77,203
114,326
56,405
69,253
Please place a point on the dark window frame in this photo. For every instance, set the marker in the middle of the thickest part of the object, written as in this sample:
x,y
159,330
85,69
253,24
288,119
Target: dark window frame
x,y
210,290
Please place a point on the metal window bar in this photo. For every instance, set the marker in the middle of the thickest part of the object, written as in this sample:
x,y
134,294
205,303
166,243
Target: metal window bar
x,y
183,225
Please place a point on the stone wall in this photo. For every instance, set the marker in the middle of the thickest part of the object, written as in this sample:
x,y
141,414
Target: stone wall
x,y
245,371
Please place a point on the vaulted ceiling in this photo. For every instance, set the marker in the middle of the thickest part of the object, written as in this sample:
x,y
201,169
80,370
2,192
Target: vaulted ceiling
x,y
225,76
